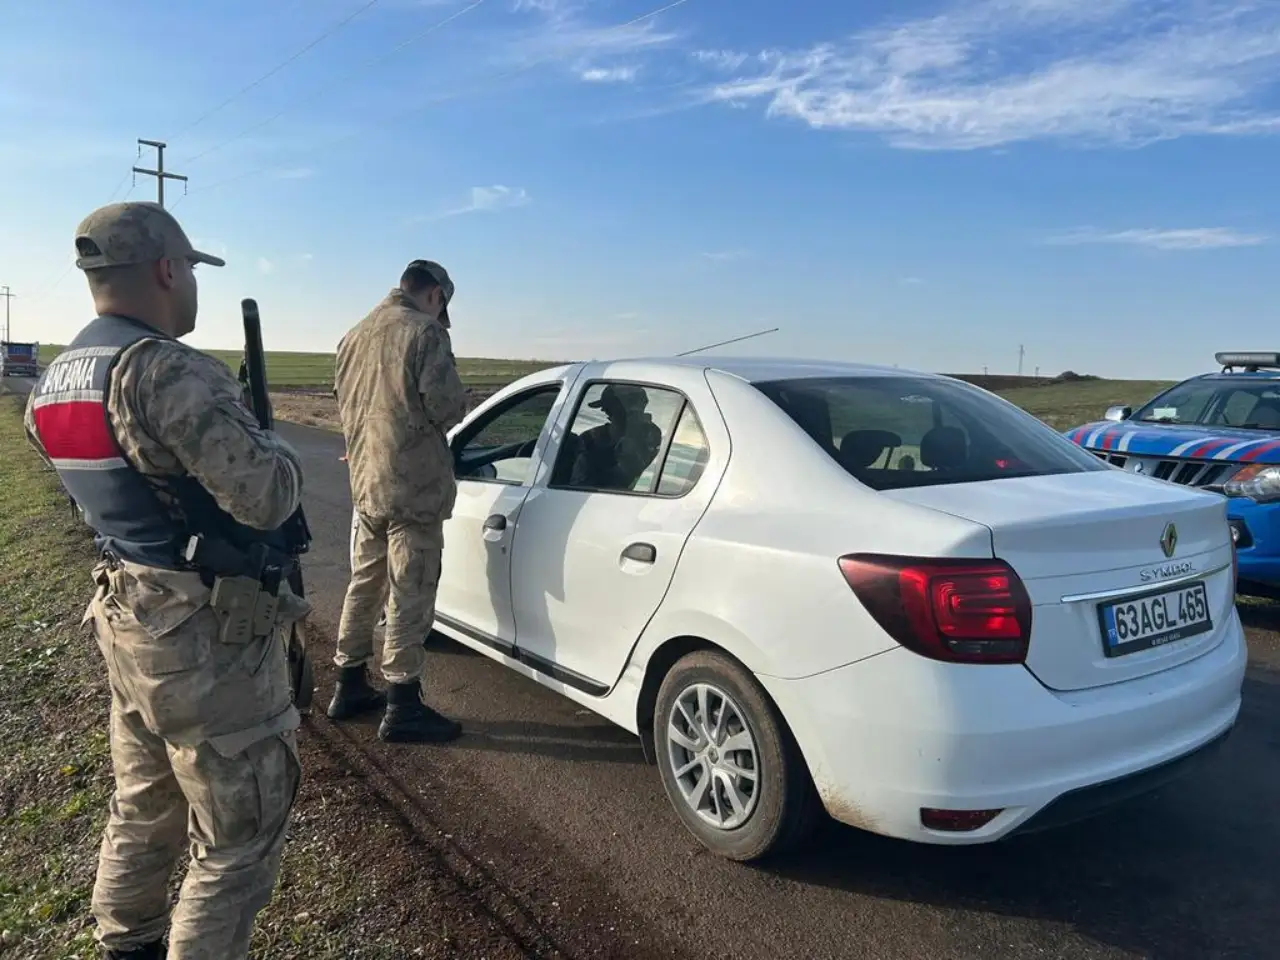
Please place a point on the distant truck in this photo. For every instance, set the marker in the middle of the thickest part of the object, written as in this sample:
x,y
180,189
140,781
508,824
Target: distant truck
x,y
19,359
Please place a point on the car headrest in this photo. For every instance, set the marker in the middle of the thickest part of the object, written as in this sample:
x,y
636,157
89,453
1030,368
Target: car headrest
x,y
944,448
859,449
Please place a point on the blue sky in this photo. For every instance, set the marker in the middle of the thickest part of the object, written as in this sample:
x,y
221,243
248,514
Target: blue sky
x,y
928,184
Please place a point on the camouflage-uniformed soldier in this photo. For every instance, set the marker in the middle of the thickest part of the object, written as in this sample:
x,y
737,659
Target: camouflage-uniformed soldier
x,y
184,493
399,393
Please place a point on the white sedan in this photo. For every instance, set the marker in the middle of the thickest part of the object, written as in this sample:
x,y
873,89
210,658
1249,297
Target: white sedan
x,y
809,586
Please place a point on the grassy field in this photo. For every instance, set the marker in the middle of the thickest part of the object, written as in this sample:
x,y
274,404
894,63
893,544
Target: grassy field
x,y
55,768
1066,405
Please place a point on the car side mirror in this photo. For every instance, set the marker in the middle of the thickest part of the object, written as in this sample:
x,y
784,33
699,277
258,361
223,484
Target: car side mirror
x,y
1118,413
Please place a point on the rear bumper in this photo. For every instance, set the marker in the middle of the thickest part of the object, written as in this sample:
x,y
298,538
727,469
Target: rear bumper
x,y
1084,802
896,733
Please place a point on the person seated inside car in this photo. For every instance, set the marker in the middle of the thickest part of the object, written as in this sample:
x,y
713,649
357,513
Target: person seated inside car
x,y
615,454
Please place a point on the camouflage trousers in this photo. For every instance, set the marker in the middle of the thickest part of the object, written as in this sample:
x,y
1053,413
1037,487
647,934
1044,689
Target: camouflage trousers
x,y
204,755
395,563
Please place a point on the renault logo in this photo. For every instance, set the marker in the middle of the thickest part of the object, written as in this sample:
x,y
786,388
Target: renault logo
x,y
1169,540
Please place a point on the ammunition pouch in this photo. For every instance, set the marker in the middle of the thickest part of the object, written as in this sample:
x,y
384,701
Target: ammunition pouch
x,y
246,599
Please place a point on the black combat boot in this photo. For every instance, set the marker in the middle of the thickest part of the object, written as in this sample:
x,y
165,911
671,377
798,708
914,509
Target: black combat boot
x,y
409,720
148,951
353,695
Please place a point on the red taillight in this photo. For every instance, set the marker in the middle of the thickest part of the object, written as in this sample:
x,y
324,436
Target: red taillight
x,y
960,611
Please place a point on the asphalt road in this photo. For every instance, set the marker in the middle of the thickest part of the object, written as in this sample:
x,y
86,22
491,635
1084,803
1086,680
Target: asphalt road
x,y
571,826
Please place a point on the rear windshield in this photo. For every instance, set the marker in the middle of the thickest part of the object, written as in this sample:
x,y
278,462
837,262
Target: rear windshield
x,y
1250,404
895,432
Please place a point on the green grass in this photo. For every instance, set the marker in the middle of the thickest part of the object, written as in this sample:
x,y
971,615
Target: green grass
x,y
55,773
1066,405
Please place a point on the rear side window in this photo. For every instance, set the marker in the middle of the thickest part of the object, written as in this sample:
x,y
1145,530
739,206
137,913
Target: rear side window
x,y
895,432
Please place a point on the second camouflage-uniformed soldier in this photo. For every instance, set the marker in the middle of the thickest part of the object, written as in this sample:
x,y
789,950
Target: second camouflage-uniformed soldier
x,y
185,495
399,393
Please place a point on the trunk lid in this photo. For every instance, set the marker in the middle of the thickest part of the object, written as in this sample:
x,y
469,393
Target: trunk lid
x,y
1084,543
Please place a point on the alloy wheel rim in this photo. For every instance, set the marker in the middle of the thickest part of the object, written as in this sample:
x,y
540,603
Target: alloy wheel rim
x,y
713,755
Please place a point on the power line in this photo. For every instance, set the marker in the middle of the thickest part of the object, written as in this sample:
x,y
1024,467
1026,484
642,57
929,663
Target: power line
x,y
315,95
274,70
435,101
49,288
123,181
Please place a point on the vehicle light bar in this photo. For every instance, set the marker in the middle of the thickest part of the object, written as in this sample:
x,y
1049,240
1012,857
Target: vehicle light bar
x,y
1250,359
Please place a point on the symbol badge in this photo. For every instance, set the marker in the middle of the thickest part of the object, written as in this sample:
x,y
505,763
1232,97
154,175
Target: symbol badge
x,y
1169,540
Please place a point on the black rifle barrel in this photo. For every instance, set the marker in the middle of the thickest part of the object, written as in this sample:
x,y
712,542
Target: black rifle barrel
x,y
256,362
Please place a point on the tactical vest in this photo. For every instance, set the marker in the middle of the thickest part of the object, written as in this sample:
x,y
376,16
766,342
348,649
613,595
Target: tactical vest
x,y
122,506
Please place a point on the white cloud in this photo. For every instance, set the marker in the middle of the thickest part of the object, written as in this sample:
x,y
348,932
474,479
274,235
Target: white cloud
x,y
543,6
721,59
306,257
1194,238
497,197
724,256
487,199
609,74
296,173
266,266
1003,71
564,33
911,281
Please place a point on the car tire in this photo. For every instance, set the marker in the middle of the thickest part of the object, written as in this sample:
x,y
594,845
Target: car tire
x,y
783,807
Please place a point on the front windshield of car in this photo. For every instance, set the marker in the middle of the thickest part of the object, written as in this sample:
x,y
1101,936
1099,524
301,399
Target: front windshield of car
x,y
902,431
1248,404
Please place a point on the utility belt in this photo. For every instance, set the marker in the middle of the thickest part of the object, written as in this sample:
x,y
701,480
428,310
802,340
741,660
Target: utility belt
x,y
245,584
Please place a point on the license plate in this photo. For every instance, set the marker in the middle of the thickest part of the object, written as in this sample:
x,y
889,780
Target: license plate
x,y
1141,623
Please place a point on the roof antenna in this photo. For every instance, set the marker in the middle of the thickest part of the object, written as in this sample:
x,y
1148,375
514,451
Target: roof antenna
x,y
725,343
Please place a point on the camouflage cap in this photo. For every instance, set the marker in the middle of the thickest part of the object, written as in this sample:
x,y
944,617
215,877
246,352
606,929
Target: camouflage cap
x,y
121,234
441,276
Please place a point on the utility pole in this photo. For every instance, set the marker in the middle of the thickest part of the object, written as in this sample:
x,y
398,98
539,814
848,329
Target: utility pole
x,y
1022,352
7,298
159,172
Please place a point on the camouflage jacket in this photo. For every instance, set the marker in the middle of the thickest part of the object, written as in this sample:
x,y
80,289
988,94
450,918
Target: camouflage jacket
x,y
399,393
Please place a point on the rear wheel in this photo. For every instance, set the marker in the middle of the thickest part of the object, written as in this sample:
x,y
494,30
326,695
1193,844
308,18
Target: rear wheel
x,y
729,764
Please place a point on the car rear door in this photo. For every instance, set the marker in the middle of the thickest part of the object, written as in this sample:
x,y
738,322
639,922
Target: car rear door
x,y
595,548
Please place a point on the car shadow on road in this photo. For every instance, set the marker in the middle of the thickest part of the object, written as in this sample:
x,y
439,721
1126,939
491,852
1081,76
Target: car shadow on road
x,y
1186,872
596,743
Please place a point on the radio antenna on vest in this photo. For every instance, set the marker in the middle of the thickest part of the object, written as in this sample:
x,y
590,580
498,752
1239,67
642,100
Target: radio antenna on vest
x,y
725,343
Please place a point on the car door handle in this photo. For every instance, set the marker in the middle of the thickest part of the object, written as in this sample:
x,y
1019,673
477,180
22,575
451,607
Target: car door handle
x,y
495,523
641,553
